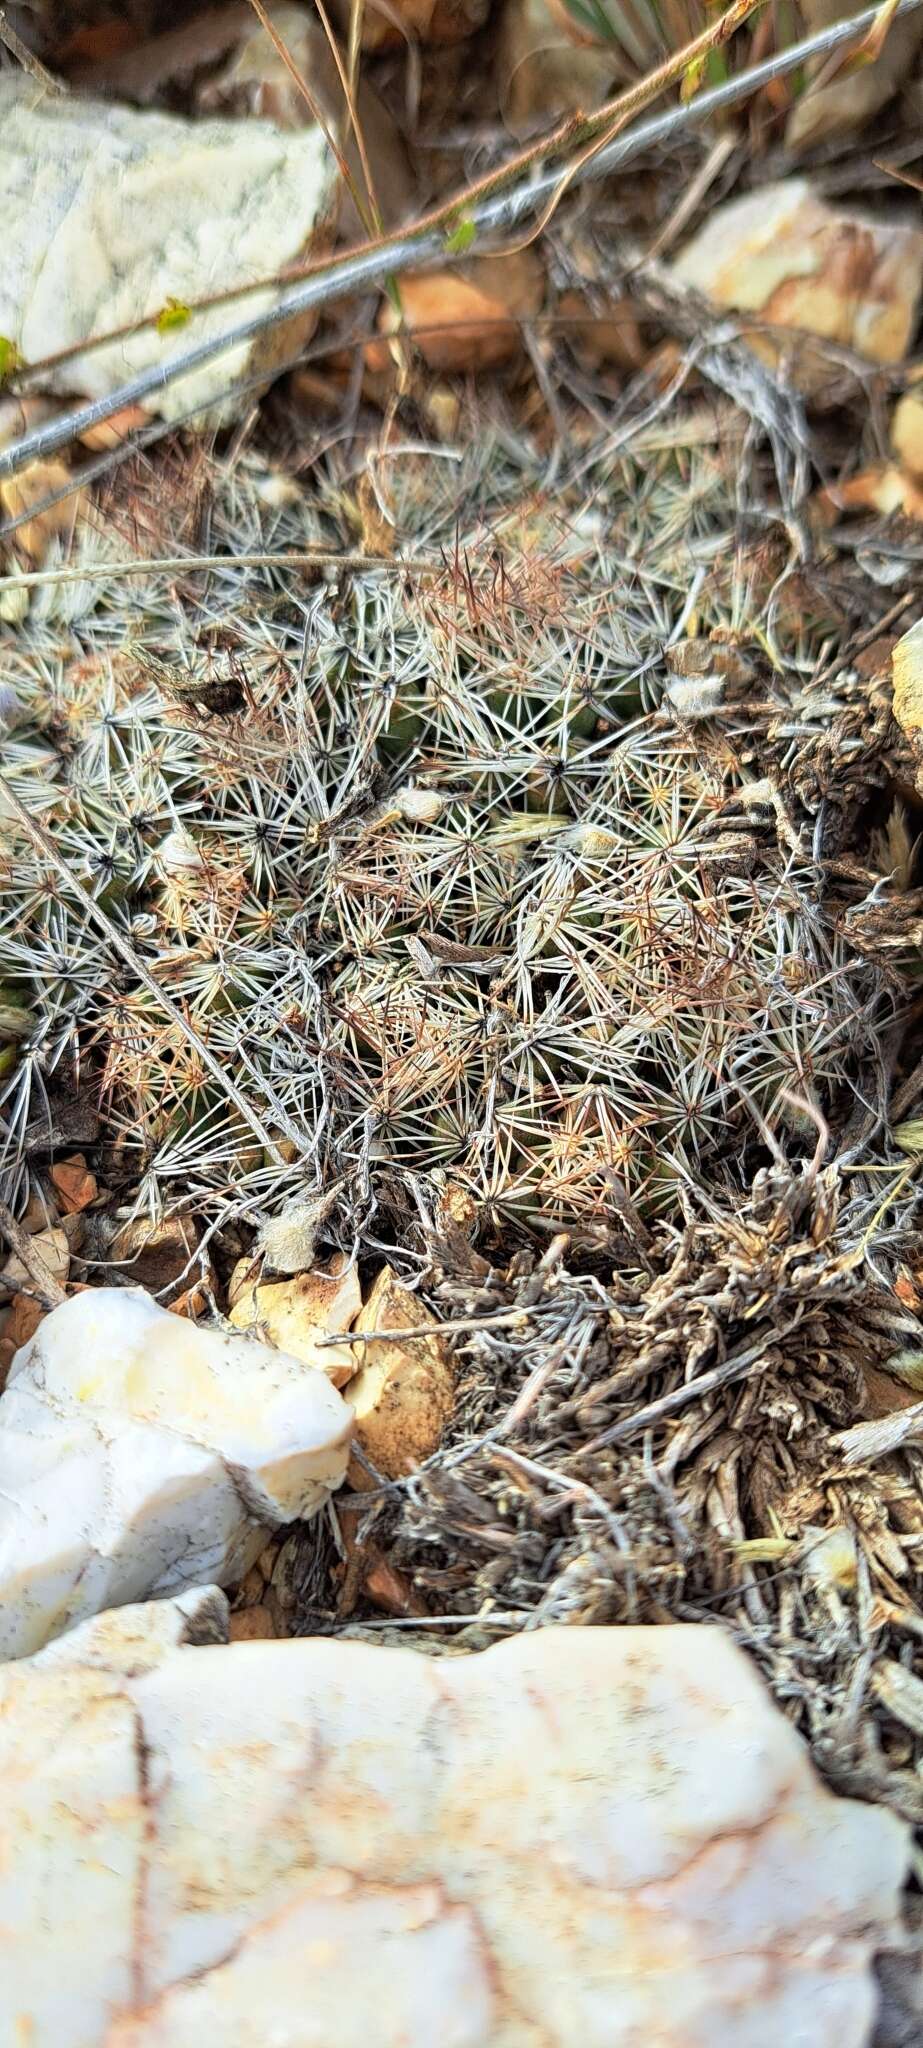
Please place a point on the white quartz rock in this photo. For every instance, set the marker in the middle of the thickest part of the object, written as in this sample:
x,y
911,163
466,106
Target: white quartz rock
x,y
589,1838
140,1453
109,214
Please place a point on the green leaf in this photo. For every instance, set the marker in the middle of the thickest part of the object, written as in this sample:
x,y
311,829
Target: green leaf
x,y
460,237
10,358
174,314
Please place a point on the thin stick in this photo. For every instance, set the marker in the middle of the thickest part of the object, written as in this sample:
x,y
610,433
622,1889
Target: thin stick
x,y
425,243
722,148
176,565
314,109
867,1441
907,1092
515,1619
509,1318
27,57
348,83
564,1483
46,1287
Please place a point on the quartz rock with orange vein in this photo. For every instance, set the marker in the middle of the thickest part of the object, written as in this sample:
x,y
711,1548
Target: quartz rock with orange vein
x,y
581,1838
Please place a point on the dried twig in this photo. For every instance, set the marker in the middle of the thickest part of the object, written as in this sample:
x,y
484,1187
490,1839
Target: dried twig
x,y
868,1441
181,565
697,1389
27,58
907,1092
46,1288
315,110
488,209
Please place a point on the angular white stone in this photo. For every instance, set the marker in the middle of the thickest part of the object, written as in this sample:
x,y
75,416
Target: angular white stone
x,y
589,1838
140,1453
109,213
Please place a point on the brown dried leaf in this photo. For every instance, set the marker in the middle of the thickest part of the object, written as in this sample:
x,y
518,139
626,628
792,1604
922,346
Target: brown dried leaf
x,y
391,24
157,1256
375,528
541,69
112,432
390,1589
22,1319
907,432
466,318
883,488
251,1625
114,61
612,337
884,1395
74,1184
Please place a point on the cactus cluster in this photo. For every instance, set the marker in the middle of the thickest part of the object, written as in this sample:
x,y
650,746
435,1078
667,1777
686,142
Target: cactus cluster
x,y
424,860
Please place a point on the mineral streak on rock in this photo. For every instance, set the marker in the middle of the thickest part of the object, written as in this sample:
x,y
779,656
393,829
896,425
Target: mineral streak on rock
x,y
140,1453
786,256
590,1839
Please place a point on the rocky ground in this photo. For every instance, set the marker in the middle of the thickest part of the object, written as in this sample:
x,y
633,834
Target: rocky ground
x,y
460,811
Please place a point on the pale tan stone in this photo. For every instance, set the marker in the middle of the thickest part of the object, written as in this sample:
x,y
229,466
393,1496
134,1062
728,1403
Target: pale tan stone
x,y
907,432
583,1838
257,80
294,1314
907,671
251,1625
51,1247
783,253
403,1391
